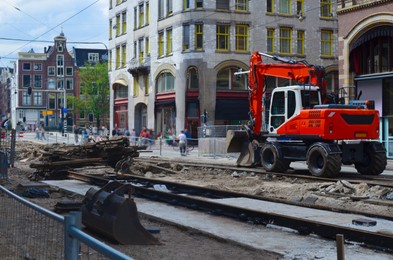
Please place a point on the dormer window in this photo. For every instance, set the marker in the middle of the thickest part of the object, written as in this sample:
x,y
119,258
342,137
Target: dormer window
x,y
93,57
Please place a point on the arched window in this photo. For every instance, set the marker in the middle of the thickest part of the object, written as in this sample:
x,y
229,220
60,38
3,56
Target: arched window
x,y
192,79
227,80
165,82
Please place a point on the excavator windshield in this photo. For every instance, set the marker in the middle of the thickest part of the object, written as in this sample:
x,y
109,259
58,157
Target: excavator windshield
x,y
310,98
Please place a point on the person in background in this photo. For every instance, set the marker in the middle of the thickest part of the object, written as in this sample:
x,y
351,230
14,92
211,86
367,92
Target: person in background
x,y
37,133
133,136
43,133
76,134
182,143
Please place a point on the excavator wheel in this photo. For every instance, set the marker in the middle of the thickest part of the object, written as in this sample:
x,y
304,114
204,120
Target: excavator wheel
x,y
271,161
373,163
322,164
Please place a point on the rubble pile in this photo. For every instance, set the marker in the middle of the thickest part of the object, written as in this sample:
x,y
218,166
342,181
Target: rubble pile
x,y
56,159
356,191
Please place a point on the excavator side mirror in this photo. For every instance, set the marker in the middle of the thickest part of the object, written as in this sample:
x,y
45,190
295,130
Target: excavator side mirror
x,y
360,94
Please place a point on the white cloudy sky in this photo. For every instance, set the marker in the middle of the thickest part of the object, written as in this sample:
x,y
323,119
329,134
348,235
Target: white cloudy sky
x,y
42,20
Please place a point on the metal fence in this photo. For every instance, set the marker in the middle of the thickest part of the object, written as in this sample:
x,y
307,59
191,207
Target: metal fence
x,y
29,231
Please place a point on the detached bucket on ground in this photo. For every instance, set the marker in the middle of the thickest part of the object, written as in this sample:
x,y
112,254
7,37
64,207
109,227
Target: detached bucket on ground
x,y
112,212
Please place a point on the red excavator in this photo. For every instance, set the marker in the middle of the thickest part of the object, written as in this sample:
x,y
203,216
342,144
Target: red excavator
x,y
298,127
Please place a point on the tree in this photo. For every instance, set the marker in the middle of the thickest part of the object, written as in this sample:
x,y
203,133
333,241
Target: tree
x,y
94,91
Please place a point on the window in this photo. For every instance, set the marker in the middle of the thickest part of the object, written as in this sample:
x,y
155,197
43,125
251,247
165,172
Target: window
x,y
124,23
60,84
69,84
51,101
117,57
241,5
285,7
326,43
222,38
60,46
186,4
69,71
270,6
38,66
92,57
51,71
147,13
37,81
140,46
270,41
285,40
135,48
222,4
199,3
26,66
141,15
121,91
26,99
37,98
123,56
160,9
242,37
169,7
199,36
118,25
136,87
186,37
192,79
160,44
147,46
300,42
165,82
60,71
147,84
300,7
169,41
110,29
326,8
51,83
26,81
278,109
60,60
226,80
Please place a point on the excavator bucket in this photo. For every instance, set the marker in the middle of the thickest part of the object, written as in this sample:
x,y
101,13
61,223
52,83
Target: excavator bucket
x,y
238,142
110,212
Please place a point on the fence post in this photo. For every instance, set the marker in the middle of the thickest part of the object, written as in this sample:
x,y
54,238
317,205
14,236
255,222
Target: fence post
x,y
71,244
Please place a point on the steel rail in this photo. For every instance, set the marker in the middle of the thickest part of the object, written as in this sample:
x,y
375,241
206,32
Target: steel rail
x,y
303,226
385,181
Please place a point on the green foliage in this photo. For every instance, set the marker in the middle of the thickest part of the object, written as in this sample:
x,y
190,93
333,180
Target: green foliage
x,y
94,91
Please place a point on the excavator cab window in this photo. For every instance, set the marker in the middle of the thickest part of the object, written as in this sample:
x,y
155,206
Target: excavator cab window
x,y
310,98
277,109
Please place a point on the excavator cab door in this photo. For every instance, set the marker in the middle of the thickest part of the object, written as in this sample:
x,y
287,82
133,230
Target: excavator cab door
x,y
283,106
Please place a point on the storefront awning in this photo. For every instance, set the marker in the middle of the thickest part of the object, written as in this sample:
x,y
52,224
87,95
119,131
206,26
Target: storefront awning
x,y
374,76
235,109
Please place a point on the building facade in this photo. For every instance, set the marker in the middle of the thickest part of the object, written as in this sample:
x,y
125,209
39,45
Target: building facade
x,y
45,79
7,90
172,63
366,57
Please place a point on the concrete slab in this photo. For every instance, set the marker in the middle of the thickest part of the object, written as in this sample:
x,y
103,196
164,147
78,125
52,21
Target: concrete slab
x,y
271,238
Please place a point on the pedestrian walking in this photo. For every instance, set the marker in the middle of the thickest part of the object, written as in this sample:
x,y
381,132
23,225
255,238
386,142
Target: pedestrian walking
x,y
43,133
37,133
182,143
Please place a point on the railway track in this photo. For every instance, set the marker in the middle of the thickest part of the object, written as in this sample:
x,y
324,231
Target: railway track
x,y
212,201
381,180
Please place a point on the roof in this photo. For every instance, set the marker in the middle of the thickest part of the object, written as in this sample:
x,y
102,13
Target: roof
x,y
81,56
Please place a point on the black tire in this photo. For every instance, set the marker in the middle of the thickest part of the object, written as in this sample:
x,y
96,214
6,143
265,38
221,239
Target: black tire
x,y
271,161
373,163
321,164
